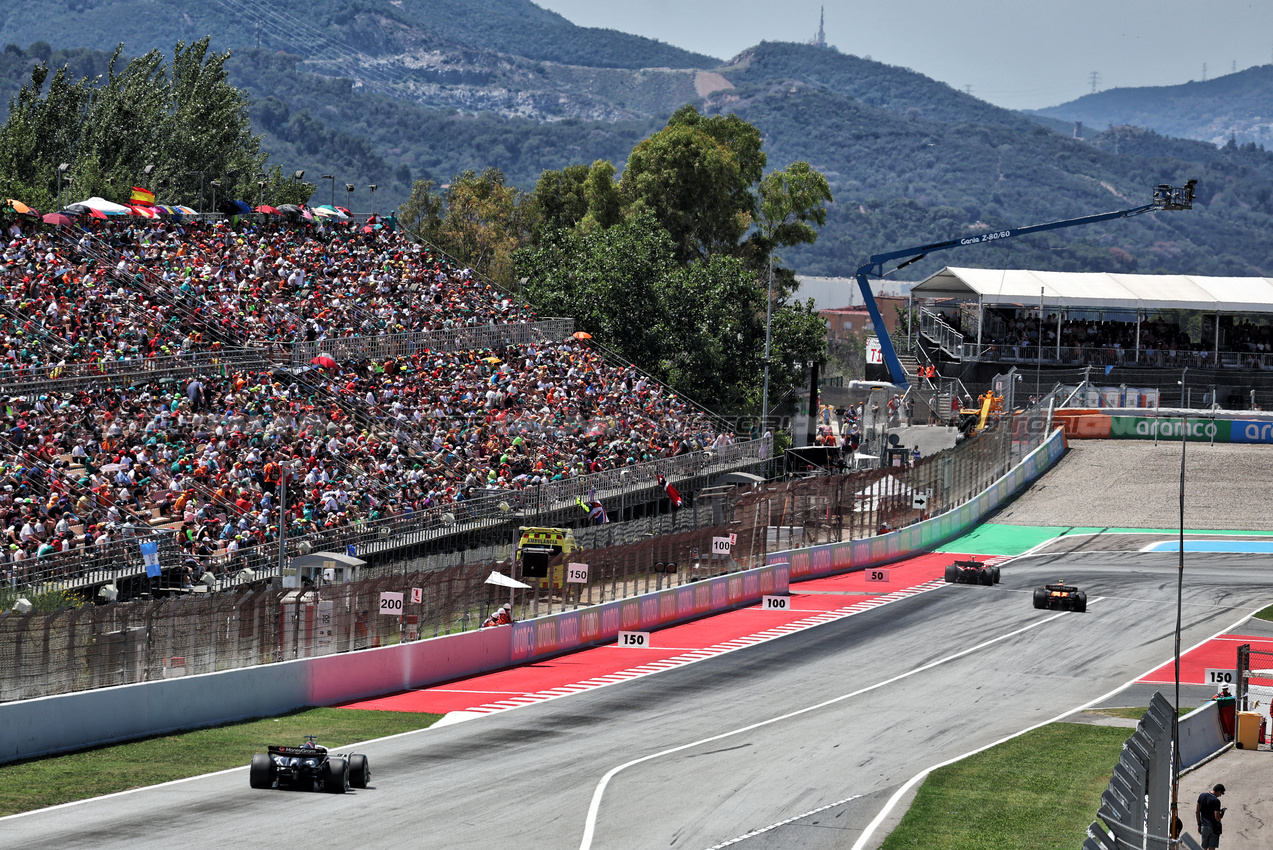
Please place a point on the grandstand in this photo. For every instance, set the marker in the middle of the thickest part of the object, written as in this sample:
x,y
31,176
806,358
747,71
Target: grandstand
x,y
157,379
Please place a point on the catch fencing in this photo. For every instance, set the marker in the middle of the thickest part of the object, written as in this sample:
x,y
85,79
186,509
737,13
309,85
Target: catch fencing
x,y
49,653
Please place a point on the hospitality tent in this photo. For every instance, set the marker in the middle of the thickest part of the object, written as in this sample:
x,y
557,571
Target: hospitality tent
x,y
1139,293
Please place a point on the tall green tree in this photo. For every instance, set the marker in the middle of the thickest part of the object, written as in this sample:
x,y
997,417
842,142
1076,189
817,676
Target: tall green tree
x,y
478,219
182,119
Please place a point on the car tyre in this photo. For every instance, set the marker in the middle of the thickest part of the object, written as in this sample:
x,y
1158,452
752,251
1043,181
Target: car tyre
x,y
985,576
337,779
1040,598
995,572
359,771
952,573
1080,601
261,771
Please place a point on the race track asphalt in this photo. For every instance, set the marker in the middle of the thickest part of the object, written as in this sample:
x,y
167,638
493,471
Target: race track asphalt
x,y
835,718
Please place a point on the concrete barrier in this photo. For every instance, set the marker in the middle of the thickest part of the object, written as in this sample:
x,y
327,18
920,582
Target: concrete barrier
x,y
851,556
68,722
1201,735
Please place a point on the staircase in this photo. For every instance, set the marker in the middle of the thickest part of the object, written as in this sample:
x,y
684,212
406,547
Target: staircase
x,y
910,365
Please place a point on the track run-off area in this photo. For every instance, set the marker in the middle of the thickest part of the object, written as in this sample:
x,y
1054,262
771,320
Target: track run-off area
x,y
777,729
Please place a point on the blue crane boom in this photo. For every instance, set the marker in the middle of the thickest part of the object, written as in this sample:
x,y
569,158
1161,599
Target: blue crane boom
x,y
1165,198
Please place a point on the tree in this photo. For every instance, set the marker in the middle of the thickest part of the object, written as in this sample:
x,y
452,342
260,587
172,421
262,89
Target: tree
x,y
478,219
697,327
182,118
692,184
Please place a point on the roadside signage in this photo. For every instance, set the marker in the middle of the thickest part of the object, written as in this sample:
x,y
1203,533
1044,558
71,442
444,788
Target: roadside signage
x,y
877,575
636,640
776,603
576,574
390,604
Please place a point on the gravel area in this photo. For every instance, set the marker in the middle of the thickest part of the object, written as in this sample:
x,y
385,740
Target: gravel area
x,y
1135,484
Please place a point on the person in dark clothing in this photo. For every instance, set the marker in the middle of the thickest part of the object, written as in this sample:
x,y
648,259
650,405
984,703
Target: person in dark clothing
x,y
1209,814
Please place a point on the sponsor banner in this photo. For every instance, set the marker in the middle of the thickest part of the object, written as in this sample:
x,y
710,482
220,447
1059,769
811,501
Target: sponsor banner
x,y
568,630
546,636
893,544
842,555
782,578
684,601
879,548
611,620
702,597
649,612
630,615
822,560
667,606
861,552
720,593
523,640
1146,428
589,626
734,588
1250,431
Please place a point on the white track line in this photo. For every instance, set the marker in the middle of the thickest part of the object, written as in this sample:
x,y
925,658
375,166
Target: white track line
x,y
591,821
763,830
865,837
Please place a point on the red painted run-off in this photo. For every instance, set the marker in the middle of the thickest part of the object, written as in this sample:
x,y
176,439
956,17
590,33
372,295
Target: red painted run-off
x,y
810,597
1219,653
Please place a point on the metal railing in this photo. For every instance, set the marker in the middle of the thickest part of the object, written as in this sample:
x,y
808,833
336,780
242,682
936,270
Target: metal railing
x,y
71,377
935,328
465,338
439,525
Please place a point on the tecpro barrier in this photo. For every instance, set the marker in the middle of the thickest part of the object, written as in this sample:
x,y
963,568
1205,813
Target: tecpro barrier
x,y
852,555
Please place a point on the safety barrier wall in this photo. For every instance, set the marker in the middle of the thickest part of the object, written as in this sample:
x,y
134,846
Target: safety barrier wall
x,y
852,555
1201,735
1223,427
36,727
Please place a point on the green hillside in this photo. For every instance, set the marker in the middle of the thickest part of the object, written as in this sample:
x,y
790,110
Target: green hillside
x,y
1238,106
325,28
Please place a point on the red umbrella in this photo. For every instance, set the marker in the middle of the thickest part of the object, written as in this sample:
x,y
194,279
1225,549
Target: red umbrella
x,y
266,208
324,361
59,220
345,211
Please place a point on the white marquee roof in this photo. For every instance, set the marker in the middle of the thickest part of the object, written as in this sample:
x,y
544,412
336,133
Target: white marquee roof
x,y
1101,289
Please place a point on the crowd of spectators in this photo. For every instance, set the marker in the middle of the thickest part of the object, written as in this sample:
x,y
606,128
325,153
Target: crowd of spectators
x,y
138,288
1014,334
203,458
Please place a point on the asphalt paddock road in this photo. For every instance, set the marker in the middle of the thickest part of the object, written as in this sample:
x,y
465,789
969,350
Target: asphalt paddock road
x,y
836,719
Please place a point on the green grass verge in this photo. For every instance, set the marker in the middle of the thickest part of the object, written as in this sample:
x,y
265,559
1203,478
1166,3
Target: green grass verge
x,y
1036,792
60,779
1266,614
1133,713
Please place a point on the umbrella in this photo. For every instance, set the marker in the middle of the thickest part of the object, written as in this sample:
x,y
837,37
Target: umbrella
x,y
329,211
582,335
59,219
144,212
344,210
266,208
491,360
324,361
185,210
232,207
80,209
20,208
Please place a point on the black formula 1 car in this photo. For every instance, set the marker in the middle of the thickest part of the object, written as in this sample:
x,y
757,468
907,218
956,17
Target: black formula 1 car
x,y
971,572
1060,597
309,767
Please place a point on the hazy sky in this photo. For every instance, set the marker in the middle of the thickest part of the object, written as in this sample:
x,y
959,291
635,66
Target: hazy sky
x,y
1027,54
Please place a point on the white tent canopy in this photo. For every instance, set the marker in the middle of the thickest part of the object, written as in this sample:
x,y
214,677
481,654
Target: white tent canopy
x,y
1100,289
104,206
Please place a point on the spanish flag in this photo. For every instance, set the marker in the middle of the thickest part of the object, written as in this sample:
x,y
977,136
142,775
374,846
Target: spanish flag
x,y
142,196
